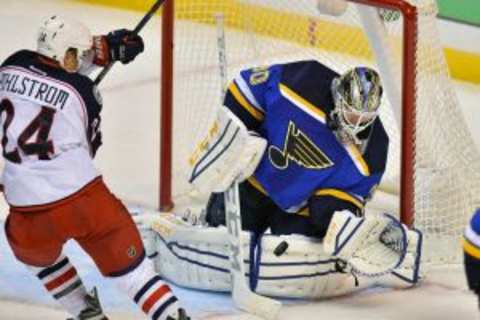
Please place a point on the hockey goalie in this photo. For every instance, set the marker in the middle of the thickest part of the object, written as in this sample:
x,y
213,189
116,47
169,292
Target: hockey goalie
x,y
306,147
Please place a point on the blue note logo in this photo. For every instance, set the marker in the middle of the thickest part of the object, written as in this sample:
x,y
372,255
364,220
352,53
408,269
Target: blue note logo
x,y
299,148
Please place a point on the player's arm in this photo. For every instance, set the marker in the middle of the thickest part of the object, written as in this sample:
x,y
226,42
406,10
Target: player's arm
x,y
325,202
471,249
245,95
92,99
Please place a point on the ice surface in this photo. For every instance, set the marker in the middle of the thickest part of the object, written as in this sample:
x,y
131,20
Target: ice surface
x,y
128,161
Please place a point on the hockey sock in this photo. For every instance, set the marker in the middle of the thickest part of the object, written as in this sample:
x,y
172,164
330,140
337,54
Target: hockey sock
x,y
149,291
63,283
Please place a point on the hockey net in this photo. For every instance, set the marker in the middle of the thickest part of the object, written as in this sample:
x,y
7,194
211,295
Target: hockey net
x,y
433,165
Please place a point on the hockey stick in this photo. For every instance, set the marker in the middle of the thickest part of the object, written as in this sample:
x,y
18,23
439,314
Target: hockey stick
x,y
222,54
137,29
242,295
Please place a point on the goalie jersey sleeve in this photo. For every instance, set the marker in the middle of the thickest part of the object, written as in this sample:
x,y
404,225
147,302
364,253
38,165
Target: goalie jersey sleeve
x,y
289,105
50,120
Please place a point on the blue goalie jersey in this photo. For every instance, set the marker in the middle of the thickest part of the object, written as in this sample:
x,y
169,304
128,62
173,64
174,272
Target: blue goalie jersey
x,y
290,105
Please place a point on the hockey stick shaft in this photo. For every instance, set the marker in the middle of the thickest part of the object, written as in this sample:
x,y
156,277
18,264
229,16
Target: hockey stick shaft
x,y
137,29
243,296
222,53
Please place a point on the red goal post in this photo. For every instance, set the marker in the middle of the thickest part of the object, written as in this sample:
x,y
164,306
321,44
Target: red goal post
x,y
166,115
293,30
408,94
407,187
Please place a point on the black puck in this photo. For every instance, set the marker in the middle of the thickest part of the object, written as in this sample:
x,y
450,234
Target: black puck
x,y
281,248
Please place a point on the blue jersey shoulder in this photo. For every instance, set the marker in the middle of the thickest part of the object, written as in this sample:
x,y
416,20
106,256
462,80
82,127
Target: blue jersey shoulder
x,y
312,80
309,78
475,222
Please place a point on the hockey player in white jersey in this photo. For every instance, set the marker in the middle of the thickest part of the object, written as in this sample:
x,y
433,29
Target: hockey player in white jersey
x,y
50,117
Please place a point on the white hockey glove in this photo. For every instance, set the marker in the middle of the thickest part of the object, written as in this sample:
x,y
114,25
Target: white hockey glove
x,y
373,246
410,271
229,152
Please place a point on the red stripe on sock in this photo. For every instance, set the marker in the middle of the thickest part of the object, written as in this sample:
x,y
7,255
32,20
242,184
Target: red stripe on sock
x,y
154,297
57,282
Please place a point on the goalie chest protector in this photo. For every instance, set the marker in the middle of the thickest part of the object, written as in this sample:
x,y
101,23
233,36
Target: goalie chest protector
x,y
303,154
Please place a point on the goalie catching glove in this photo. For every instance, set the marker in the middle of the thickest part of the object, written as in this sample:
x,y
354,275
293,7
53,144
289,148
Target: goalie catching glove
x,y
372,246
119,45
229,152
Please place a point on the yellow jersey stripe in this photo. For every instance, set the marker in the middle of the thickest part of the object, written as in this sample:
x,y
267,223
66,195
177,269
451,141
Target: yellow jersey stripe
x,y
305,212
471,249
317,113
303,104
358,160
340,195
244,102
254,182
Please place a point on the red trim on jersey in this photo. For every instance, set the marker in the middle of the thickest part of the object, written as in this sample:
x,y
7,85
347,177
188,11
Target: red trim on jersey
x,y
154,297
49,62
57,282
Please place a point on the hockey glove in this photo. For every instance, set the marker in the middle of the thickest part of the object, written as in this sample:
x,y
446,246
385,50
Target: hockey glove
x,y
119,45
373,245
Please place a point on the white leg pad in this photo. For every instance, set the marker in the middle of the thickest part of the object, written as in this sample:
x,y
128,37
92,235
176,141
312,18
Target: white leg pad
x,y
197,257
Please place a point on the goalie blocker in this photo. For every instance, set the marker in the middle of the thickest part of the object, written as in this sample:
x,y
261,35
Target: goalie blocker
x,y
290,266
229,152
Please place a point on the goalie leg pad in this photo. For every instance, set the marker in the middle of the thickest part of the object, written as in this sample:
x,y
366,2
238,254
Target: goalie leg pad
x,y
290,266
197,257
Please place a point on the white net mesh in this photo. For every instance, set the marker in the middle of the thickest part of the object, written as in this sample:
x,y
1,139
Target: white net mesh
x,y
262,32
446,161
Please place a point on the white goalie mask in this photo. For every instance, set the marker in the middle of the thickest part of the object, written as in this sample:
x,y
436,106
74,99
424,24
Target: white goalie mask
x,y
57,35
357,95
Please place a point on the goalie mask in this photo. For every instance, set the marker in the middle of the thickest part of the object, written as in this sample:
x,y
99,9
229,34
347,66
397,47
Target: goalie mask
x,y
357,95
57,35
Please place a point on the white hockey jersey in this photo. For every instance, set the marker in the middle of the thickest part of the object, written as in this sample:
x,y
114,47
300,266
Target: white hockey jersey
x,y
50,123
